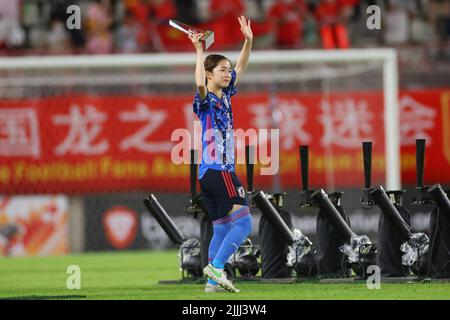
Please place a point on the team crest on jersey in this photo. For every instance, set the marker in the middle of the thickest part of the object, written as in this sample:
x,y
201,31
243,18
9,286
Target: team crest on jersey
x,y
241,192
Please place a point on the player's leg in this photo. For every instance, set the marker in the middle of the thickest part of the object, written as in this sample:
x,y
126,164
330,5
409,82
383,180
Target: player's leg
x,y
220,230
233,207
241,226
210,190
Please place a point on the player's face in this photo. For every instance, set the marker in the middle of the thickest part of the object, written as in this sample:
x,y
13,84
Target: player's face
x,y
221,74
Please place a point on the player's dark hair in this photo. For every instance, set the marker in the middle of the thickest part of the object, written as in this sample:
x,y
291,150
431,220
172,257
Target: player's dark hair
x,y
212,61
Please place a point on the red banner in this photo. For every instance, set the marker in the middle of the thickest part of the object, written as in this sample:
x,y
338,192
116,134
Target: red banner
x,y
93,143
426,114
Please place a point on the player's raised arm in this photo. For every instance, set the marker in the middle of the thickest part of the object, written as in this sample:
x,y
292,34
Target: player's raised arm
x,y
199,67
242,62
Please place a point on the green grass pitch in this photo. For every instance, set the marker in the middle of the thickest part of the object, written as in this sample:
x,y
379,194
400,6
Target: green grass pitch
x,y
135,275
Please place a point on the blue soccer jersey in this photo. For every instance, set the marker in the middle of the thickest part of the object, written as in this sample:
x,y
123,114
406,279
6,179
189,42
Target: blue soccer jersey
x,y
217,129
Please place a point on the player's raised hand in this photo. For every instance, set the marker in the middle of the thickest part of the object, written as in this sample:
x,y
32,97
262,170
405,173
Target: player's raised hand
x,y
195,38
245,28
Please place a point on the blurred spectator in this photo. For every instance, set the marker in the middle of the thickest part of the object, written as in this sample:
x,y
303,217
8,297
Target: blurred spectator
x,y
440,16
11,33
227,31
288,17
58,40
310,32
262,26
421,30
397,23
153,16
255,10
99,20
187,11
127,34
141,14
332,17
142,25
160,13
58,13
359,32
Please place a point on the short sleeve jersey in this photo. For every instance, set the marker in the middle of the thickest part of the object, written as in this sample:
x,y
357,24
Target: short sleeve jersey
x,y
216,116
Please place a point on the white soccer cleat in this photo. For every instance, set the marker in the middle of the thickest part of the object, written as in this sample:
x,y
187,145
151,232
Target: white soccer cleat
x,y
219,276
210,288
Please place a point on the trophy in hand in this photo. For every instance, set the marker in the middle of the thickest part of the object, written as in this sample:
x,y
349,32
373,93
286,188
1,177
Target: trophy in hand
x,y
208,36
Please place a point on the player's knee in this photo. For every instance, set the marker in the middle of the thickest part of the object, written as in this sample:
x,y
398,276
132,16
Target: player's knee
x,y
220,228
248,224
245,222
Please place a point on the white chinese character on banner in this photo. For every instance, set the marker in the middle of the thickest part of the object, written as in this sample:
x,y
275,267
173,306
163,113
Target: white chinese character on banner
x,y
262,119
84,129
289,116
19,132
291,122
346,123
415,119
138,140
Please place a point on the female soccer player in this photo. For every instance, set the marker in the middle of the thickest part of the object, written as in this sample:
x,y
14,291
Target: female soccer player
x,y
222,191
